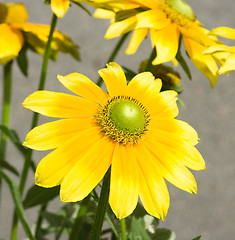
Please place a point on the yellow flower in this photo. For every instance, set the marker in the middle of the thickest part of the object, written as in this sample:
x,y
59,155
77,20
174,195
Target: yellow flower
x,y
132,129
59,7
227,52
166,21
15,32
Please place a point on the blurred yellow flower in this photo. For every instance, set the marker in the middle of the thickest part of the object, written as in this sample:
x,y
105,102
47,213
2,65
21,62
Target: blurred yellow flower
x,y
15,32
59,7
228,52
166,21
132,129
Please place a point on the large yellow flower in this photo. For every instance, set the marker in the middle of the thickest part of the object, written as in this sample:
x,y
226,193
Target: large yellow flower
x,y
15,31
166,21
132,129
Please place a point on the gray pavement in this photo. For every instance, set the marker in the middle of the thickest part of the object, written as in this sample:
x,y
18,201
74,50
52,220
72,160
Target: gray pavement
x,y
210,213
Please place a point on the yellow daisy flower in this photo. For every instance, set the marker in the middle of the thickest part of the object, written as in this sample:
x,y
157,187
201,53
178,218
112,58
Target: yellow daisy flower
x,y
166,21
15,31
132,129
226,51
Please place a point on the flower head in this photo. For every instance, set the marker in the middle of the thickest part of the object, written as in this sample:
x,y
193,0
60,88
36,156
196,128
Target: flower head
x,y
132,129
15,32
166,21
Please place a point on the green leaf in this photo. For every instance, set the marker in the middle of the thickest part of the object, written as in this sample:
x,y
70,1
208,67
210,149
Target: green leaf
x,y
197,238
19,207
164,234
138,230
39,195
8,166
184,65
12,135
23,61
129,73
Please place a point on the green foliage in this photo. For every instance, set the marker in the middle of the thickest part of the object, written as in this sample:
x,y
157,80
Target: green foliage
x,y
197,238
23,61
39,195
164,234
5,165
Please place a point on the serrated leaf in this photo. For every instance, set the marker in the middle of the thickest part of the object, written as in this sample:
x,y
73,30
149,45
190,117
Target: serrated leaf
x,y
18,205
138,230
23,61
39,195
4,164
164,234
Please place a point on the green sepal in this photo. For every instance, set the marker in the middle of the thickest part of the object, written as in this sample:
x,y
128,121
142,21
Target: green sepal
x,y
38,195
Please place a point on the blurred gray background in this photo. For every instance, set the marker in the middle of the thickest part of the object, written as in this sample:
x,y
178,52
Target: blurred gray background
x,y
210,213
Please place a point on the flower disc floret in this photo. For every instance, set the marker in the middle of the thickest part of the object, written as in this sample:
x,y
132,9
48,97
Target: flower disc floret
x,y
123,119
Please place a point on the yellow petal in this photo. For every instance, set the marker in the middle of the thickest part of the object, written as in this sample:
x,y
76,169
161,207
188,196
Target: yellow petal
x,y
13,12
137,37
153,190
116,29
57,164
173,170
229,65
114,79
87,172
166,43
124,184
165,105
55,134
11,41
155,19
219,48
175,127
83,86
205,63
225,32
103,13
59,7
60,105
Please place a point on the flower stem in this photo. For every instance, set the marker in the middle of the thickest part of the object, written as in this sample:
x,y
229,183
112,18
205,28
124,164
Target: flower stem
x,y
114,54
39,221
102,206
6,108
34,121
149,64
123,228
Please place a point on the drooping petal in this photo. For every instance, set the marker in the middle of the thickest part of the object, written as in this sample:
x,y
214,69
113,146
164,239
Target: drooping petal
x,y
11,42
55,134
166,43
13,12
114,79
83,86
229,65
116,29
153,190
87,172
205,63
219,48
225,32
173,170
136,39
124,184
59,7
60,105
57,164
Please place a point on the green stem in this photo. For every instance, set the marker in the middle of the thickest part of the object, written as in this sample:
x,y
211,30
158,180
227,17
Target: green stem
x,y
102,206
114,54
6,109
6,106
39,221
34,122
149,64
123,228
80,216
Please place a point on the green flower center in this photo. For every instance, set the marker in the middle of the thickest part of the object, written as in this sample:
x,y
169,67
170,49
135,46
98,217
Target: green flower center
x,y
182,8
179,12
123,119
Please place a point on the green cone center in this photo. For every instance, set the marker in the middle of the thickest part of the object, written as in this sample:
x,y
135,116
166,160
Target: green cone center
x,y
182,8
127,116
